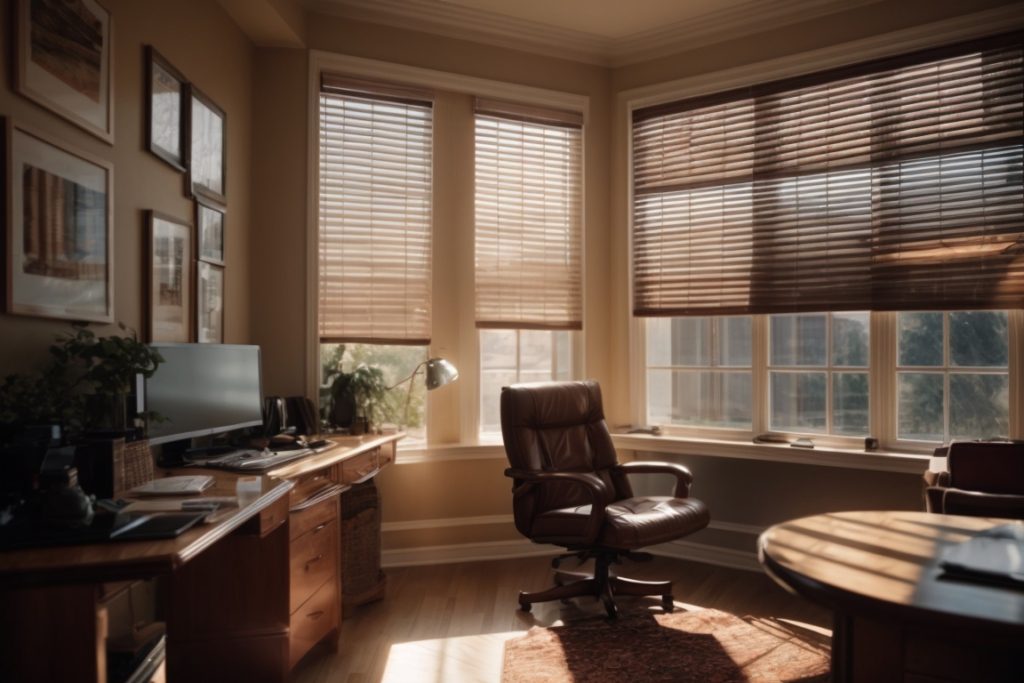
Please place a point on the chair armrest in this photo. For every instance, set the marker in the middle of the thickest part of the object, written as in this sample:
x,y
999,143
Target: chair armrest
x,y
594,486
682,474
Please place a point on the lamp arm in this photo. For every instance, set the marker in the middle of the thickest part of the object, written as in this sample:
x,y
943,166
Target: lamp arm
x,y
413,374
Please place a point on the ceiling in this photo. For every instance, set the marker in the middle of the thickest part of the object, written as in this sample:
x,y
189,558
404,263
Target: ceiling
x,y
608,32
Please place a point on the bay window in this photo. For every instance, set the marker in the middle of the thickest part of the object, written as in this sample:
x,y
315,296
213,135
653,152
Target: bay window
x,y
867,221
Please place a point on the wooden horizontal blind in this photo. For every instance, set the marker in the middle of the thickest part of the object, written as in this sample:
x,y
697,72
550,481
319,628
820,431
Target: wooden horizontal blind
x,y
375,213
529,218
892,185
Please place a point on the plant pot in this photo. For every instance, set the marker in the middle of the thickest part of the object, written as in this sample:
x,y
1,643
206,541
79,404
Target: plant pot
x,y
359,426
108,412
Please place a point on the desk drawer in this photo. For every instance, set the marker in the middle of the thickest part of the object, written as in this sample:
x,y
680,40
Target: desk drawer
x,y
360,467
307,485
314,516
317,617
273,516
314,560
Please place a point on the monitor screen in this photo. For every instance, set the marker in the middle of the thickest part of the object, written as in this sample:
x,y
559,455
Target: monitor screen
x,y
203,389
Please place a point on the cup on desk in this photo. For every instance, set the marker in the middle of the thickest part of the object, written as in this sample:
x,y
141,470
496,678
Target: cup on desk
x,y
248,489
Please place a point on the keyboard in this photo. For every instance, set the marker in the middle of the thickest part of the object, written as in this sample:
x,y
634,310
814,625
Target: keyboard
x,y
246,459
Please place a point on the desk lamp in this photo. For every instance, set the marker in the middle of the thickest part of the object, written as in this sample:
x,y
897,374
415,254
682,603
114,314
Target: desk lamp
x,y
439,373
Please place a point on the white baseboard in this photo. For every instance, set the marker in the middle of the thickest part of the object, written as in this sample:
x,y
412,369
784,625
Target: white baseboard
x,y
499,550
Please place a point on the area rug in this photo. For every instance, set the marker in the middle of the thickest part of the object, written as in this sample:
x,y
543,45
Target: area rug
x,y
702,645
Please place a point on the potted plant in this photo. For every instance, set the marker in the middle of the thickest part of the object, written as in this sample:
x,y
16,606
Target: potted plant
x,y
351,400
86,387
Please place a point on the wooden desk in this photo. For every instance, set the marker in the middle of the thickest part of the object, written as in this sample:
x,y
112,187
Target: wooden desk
x,y
317,549
226,602
896,617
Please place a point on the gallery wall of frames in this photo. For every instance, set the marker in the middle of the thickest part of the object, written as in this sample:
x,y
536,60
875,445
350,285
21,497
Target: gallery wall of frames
x,y
59,197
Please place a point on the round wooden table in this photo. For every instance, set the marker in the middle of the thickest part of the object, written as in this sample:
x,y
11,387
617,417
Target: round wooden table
x,y
897,617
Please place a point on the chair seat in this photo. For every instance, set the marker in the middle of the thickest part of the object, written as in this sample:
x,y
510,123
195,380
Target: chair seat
x,y
630,523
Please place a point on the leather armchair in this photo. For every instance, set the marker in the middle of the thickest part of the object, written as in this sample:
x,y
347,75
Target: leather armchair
x,y
570,490
982,479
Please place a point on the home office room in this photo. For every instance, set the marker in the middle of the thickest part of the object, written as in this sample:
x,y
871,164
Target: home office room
x,y
479,340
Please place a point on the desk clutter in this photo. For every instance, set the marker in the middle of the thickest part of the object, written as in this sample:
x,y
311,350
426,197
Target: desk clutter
x,y
992,556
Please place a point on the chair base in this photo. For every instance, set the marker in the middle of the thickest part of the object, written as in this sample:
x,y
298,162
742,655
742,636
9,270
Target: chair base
x,y
601,585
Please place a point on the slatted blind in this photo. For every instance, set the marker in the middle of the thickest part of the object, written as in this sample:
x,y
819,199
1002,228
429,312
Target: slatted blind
x,y
528,218
375,213
892,185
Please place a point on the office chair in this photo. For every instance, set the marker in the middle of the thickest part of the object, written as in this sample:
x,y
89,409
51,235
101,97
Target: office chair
x,y
982,479
570,490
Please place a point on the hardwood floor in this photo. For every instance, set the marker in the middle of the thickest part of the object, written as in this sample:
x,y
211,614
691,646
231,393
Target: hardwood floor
x,y
449,622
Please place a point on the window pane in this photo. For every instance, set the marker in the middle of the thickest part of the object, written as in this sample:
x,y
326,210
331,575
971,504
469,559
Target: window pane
x,y
535,353
563,356
734,342
498,349
978,339
798,401
850,339
850,403
979,406
798,340
659,341
920,339
491,382
691,341
699,398
920,406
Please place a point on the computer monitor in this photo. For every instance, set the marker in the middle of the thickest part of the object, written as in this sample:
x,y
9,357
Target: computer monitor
x,y
204,389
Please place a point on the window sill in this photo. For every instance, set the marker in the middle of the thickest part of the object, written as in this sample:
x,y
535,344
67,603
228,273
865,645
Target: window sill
x,y
882,461
422,453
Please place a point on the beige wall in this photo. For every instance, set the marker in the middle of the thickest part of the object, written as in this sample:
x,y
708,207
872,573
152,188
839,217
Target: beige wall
x,y
205,45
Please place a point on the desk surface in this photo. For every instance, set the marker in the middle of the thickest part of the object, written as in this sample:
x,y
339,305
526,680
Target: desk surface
x,y
345,447
138,559
885,565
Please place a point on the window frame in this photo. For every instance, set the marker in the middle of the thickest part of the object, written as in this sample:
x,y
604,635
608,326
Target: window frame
x,y
883,387
452,413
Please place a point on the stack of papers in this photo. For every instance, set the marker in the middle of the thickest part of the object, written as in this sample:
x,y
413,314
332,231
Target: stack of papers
x,y
993,555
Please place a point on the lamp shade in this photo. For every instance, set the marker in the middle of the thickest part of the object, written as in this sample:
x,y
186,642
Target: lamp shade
x,y
439,373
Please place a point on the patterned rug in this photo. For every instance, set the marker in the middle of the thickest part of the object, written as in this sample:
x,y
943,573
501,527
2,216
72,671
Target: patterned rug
x,y
705,646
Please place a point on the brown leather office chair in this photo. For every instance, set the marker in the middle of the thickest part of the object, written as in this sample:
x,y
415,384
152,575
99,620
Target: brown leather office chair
x,y
982,479
570,490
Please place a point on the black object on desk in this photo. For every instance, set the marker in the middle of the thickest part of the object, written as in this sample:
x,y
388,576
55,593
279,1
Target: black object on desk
x,y
31,533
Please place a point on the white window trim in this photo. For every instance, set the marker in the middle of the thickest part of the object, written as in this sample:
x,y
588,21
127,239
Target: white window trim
x,y
468,340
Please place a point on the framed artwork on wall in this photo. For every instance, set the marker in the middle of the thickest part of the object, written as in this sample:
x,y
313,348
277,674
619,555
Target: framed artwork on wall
x,y
166,113
59,214
169,286
64,61
207,159
210,230
209,303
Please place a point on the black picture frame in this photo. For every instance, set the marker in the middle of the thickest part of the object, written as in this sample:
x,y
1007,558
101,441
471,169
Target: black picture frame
x,y
207,130
160,71
206,232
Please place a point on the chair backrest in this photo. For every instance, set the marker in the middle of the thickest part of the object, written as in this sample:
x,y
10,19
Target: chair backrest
x,y
558,427
988,466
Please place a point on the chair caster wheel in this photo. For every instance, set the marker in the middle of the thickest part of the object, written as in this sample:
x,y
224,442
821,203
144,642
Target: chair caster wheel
x,y
667,604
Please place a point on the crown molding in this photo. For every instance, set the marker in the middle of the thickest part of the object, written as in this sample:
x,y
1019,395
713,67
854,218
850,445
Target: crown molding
x,y
466,23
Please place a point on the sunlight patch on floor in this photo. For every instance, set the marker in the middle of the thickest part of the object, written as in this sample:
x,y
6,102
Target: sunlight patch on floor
x,y
442,660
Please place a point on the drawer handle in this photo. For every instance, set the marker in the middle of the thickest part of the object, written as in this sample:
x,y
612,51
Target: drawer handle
x,y
320,527
314,561
316,615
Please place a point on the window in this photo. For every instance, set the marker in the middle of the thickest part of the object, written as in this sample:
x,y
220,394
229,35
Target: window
x,y
699,372
374,267
512,356
528,248
818,373
894,187
953,375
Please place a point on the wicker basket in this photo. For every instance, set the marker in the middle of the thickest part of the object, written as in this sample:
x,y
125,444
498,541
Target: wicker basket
x,y
108,467
133,465
360,513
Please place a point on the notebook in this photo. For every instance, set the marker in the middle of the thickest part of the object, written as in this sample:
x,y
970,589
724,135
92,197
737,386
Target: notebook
x,y
182,485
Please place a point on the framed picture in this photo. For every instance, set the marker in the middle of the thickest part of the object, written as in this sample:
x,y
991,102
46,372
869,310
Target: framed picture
x,y
169,287
166,99
64,61
207,158
60,257
210,229
209,303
